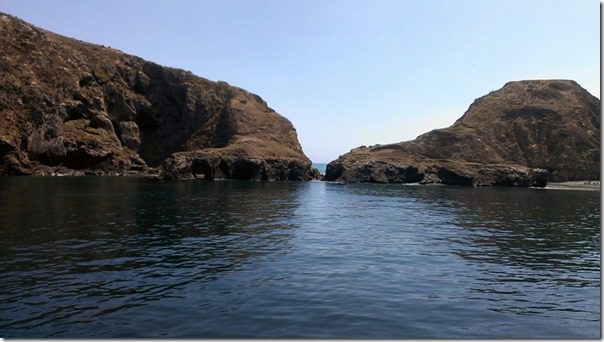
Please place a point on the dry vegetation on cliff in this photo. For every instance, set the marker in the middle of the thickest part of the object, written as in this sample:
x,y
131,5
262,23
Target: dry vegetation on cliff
x,y
72,107
523,134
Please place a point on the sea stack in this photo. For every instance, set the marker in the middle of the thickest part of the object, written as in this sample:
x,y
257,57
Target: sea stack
x,y
70,107
524,134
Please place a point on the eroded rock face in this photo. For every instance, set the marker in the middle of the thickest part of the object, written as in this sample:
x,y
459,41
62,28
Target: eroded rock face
x,y
71,107
200,165
361,166
522,135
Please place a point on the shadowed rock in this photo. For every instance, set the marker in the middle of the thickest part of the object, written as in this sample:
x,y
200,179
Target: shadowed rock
x,y
71,107
520,135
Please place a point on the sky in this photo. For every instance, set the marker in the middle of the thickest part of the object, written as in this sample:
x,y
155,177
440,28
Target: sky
x,y
346,72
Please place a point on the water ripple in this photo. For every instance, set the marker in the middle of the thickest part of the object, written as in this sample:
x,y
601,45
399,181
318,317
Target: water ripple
x,y
107,257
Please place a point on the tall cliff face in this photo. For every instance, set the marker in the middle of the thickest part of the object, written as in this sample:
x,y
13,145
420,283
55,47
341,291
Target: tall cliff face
x,y
68,106
529,126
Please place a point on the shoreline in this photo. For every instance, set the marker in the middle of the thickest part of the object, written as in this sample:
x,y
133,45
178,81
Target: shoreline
x,y
588,185
584,185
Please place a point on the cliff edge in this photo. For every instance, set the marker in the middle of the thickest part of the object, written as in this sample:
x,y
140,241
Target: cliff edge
x,y
524,134
70,107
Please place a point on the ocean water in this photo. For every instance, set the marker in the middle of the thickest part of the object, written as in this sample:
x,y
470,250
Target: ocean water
x,y
126,257
322,167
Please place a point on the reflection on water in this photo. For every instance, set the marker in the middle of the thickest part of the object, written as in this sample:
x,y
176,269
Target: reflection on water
x,y
107,244
537,249
523,227
125,257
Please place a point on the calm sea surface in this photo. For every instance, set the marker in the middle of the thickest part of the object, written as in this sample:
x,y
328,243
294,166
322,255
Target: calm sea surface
x,y
125,257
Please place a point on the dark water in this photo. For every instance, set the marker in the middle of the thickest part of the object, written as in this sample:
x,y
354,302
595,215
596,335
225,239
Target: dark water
x,y
119,257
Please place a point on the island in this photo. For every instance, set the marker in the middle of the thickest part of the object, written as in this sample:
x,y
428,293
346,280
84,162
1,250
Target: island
x,y
524,134
69,107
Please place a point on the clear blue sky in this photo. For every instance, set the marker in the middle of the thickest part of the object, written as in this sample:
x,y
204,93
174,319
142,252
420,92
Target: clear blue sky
x,y
345,72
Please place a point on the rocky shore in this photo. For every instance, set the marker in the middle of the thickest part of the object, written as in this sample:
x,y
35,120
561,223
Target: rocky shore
x,y
72,108
524,134
575,185
69,107
352,169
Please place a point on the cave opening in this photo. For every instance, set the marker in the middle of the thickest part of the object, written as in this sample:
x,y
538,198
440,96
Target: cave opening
x,y
201,168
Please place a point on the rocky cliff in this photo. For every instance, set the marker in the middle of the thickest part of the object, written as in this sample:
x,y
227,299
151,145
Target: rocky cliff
x,y
522,134
71,107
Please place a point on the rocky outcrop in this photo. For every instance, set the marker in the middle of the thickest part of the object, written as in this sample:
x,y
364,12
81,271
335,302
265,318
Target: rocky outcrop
x,y
72,107
190,165
522,135
360,165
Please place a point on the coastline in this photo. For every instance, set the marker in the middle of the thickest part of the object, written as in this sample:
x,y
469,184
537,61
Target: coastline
x,y
588,185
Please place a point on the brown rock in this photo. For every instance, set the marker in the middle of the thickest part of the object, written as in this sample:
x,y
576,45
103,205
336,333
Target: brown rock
x,y
130,134
513,136
68,106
